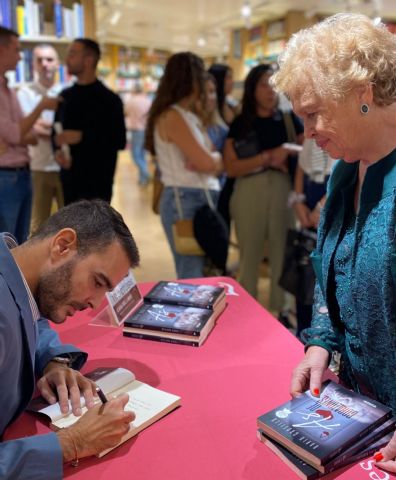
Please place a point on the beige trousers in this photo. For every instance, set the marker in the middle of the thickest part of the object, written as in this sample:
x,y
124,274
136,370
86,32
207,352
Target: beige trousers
x,y
47,187
259,209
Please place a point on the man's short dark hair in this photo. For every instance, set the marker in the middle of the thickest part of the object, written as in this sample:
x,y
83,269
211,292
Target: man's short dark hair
x,y
97,225
91,48
6,34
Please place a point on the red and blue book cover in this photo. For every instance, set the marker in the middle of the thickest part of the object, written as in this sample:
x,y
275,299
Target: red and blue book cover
x,y
318,428
169,318
189,295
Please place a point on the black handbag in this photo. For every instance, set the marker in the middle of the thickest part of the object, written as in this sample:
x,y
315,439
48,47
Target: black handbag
x,y
298,276
211,233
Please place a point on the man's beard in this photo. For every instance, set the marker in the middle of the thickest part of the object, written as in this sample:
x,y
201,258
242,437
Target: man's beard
x,y
54,291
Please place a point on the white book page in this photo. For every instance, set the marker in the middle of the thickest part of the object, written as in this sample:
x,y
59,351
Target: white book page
x,y
148,403
109,383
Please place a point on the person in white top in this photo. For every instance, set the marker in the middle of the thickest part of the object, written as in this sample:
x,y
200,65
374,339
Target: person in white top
x,y
47,186
136,109
176,136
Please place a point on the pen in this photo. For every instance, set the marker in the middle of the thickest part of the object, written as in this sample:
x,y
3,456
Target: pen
x,y
101,395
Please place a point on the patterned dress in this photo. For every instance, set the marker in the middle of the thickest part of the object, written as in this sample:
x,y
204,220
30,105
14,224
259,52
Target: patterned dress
x,y
355,263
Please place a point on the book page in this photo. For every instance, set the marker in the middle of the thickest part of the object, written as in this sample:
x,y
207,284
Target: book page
x,y
148,403
107,378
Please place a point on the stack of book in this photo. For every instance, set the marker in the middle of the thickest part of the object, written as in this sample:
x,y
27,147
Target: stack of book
x,y
177,313
317,435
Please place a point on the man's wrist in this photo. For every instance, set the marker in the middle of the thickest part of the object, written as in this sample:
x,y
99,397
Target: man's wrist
x,y
65,360
265,159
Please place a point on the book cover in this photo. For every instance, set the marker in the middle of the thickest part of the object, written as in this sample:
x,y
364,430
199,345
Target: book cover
x,y
148,403
200,296
307,472
169,318
319,428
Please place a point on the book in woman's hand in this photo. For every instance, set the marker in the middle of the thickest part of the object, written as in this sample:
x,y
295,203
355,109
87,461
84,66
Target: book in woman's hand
x,y
317,429
366,447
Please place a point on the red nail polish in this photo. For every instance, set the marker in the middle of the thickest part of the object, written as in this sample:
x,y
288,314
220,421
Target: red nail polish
x,y
316,391
378,457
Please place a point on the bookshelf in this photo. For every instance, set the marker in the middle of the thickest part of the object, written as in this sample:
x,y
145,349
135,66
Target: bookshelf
x,y
122,67
56,22
264,42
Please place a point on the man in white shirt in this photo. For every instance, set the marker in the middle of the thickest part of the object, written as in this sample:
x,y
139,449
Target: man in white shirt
x,y
45,171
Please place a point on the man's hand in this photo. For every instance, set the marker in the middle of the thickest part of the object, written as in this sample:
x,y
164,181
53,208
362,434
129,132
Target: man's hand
x,y
388,456
309,372
3,147
62,160
60,382
100,428
49,103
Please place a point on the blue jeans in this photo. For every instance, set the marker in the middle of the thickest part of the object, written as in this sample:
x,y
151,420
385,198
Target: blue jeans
x,y
15,203
187,266
139,155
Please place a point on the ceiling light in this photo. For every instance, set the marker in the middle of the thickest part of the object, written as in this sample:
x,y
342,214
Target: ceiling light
x,y
201,42
246,10
115,18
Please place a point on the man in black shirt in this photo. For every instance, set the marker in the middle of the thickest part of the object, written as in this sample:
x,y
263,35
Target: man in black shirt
x,y
93,126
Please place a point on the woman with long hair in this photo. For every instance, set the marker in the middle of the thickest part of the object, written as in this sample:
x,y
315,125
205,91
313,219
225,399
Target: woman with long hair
x,y
176,136
223,76
224,83
254,155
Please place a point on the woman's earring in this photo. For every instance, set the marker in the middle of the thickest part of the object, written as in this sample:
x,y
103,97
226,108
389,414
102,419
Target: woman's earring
x,y
364,108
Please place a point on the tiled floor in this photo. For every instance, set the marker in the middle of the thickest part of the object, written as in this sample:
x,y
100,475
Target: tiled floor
x,y
134,203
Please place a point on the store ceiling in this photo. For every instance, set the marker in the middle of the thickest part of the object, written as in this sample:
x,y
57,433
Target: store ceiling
x,y
203,25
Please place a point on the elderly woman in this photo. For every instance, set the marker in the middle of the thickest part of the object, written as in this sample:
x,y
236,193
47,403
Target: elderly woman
x,y
340,78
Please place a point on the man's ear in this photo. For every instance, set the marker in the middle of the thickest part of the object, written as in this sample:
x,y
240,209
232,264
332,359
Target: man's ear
x,y
63,244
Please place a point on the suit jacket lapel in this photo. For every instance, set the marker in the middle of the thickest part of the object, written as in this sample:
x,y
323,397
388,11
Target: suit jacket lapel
x,y
10,271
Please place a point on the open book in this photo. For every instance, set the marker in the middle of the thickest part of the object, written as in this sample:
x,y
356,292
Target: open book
x,y
148,403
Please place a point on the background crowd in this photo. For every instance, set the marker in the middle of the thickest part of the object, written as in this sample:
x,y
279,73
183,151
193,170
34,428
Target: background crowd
x,y
207,148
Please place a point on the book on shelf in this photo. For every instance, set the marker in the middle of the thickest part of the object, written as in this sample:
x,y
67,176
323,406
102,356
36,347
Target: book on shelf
x,y
186,294
172,323
365,447
317,429
149,403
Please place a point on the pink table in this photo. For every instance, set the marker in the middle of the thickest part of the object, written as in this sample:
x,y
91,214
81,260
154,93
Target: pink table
x,y
242,370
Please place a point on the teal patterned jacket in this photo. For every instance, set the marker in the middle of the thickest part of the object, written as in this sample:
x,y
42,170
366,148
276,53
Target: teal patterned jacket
x,y
363,328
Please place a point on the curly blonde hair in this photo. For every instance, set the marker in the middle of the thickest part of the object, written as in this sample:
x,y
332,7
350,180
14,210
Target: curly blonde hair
x,y
337,55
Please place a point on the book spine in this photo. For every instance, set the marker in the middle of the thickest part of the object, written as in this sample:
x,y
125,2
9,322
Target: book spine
x,y
21,20
179,303
58,18
160,339
339,461
157,328
357,437
366,452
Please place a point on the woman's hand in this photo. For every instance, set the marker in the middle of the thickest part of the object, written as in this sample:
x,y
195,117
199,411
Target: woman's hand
x,y
388,453
309,372
314,217
303,214
279,159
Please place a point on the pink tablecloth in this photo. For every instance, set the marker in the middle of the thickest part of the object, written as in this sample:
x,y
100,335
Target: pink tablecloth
x,y
241,371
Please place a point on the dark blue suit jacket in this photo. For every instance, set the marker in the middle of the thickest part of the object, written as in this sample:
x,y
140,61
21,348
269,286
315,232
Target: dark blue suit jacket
x,y
25,349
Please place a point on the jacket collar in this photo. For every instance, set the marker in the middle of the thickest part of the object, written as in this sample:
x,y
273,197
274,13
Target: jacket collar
x,y
13,277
